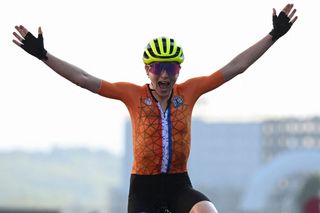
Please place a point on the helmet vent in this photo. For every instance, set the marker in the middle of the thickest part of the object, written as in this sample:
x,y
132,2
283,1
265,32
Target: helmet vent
x,y
157,46
171,45
164,44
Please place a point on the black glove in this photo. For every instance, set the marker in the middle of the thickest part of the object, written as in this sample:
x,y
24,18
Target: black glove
x,y
34,46
281,25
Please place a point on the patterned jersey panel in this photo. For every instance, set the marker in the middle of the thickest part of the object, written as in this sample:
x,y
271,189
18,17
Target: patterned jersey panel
x,y
147,140
181,128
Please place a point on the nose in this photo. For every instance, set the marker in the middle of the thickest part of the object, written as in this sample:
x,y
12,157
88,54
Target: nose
x,y
164,73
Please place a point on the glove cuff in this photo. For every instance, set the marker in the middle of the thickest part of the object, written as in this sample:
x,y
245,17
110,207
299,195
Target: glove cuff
x,y
275,35
43,55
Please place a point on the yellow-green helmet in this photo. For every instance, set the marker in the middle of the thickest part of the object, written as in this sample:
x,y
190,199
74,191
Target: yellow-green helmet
x,y
163,49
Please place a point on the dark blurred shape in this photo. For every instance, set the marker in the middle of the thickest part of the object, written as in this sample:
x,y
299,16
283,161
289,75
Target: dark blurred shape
x,y
309,197
312,206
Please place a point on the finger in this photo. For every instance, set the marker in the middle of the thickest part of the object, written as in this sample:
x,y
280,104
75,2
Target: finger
x,y
39,31
18,36
23,30
287,8
19,30
17,43
294,19
274,12
292,13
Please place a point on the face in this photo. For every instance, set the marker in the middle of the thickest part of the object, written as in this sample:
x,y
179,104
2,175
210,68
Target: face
x,y
163,76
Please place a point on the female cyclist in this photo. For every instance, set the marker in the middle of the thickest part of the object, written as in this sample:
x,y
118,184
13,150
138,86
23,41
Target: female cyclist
x,y
160,113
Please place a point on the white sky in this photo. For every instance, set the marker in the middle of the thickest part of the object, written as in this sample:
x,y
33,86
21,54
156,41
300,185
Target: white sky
x,y
106,38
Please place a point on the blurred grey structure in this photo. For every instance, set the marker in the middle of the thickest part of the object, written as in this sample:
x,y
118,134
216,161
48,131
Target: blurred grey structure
x,y
290,155
290,134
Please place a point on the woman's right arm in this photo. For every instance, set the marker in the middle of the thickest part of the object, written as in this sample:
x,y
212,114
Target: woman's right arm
x,y
35,47
73,73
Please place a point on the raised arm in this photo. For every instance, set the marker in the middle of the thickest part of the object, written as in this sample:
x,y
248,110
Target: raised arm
x,y
281,25
35,47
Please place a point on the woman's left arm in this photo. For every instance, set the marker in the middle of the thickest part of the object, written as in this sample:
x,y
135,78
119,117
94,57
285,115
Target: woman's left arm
x,y
281,25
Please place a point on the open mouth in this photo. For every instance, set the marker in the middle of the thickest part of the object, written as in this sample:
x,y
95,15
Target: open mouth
x,y
164,84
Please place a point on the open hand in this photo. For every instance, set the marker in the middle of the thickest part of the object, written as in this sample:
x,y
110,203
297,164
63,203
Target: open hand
x,y
283,22
29,43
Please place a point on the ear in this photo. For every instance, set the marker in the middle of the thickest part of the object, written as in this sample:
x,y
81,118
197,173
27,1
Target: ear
x,y
147,68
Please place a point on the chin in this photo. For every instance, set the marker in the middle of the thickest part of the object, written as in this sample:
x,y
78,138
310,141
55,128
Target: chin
x,y
163,93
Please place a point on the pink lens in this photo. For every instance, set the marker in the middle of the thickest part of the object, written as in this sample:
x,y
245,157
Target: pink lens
x,y
171,68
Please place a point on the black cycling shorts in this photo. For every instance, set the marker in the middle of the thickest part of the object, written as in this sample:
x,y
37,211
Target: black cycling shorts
x,y
150,193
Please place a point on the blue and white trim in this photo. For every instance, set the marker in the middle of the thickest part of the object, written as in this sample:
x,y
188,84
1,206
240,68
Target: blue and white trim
x,y
166,139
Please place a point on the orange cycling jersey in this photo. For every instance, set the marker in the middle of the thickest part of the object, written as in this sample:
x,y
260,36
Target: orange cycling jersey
x,y
161,138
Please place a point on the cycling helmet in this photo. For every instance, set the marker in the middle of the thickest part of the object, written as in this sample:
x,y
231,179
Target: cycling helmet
x,y
162,49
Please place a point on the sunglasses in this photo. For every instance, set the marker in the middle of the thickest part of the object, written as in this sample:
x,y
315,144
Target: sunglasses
x,y
171,68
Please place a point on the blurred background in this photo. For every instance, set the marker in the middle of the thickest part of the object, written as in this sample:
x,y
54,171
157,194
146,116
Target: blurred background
x,y
255,140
